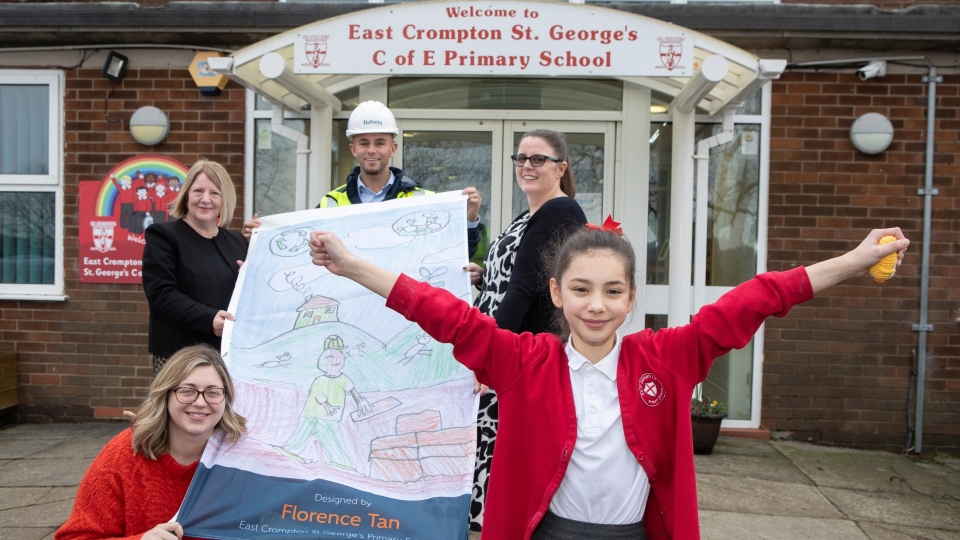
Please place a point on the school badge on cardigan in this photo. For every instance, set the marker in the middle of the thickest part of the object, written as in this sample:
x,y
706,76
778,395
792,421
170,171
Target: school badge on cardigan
x,y
652,391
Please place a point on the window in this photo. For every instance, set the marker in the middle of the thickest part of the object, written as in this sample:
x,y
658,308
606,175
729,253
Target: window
x,y
734,234
31,184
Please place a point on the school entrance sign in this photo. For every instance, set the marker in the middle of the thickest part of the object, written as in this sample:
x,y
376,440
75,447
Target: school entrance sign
x,y
494,38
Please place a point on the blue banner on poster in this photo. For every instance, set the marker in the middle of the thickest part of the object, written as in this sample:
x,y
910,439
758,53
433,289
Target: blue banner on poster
x,y
359,425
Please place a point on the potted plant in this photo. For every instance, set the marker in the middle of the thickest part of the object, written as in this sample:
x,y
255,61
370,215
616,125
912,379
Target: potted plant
x,y
706,416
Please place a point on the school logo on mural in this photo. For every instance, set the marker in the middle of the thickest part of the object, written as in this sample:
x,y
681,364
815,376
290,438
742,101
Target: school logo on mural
x,y
652,391
315,47
102,232
671,51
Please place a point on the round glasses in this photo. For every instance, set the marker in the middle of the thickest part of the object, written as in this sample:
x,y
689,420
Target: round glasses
x,y
536,160
187,395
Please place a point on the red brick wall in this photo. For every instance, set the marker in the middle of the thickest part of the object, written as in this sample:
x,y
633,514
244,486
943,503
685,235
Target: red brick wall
x,y
838,368
87,357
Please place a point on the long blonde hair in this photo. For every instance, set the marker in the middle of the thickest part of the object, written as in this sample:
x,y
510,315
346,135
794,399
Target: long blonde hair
x,y
220,178
150,433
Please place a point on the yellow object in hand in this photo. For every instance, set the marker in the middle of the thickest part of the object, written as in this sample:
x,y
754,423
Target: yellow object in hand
x,y
887,266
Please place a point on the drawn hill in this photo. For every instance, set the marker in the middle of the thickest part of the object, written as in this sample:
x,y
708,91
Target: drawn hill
x,y
402,363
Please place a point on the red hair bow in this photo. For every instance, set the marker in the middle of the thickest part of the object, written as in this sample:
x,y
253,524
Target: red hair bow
x,y
609,225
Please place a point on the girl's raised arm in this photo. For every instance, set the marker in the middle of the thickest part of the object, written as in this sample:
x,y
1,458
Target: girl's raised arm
x,y
328,251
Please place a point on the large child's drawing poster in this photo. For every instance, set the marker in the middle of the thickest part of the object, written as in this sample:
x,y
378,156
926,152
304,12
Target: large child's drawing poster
x,y
359,425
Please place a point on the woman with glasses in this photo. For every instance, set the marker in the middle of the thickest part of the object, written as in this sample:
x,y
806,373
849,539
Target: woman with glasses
x,y
512,283
136,484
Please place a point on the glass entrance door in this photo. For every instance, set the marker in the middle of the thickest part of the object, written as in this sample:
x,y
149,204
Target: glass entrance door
x,y
590,145
446,155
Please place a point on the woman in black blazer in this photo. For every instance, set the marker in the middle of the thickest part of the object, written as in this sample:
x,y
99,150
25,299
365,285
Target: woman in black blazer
x,y
190,265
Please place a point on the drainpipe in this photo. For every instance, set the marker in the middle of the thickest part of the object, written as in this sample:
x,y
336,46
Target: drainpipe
x,y
927,192
303,150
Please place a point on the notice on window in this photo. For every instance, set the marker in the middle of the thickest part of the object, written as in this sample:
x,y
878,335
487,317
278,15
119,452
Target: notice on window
x,y
750,143
264,137
592,205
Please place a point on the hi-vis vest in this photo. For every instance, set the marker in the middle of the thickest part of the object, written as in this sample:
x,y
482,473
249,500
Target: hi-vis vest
x,y
338,197
403,187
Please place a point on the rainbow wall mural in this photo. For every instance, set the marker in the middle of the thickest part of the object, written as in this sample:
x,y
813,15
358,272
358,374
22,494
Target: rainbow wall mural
x,y
106,204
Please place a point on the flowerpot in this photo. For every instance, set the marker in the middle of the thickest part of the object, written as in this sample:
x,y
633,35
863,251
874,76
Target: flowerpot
x,y
706,429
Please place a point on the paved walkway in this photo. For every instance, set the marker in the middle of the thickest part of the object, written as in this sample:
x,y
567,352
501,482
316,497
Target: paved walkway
x,y
748,489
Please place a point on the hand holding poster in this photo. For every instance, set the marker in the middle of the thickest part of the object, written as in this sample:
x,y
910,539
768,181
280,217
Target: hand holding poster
x,y
359,425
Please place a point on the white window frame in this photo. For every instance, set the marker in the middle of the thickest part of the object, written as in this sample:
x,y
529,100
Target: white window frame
x,y
254,114
50,182
657,295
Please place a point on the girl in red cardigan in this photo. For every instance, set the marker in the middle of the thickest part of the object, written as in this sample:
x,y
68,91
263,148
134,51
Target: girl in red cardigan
x,y
595,438
138,481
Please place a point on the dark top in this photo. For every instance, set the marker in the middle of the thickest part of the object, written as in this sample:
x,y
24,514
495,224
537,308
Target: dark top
x,y
184,285
526,306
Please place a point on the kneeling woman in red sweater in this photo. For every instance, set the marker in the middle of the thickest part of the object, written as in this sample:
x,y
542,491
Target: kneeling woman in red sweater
x,y
136,484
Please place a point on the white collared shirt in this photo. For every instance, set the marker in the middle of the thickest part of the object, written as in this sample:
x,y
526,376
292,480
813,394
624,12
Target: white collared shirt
x,y
603,483
367,195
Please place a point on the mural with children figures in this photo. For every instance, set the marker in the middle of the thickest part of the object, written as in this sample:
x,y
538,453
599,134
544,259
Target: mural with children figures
x,y
115,210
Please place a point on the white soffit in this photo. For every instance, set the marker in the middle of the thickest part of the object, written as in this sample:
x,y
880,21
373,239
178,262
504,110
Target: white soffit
x,y
743,76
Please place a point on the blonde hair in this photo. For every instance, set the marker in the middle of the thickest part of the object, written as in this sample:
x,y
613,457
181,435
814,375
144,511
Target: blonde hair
x,y
150,433
220,178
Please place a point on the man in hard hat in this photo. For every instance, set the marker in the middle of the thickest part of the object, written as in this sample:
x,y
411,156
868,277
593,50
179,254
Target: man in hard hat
x,y
372,130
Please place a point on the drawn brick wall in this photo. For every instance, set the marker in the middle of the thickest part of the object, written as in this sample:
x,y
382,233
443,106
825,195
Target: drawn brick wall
x,y
422,448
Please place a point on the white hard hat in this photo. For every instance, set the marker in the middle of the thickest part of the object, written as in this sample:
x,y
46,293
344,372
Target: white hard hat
x,y
371,117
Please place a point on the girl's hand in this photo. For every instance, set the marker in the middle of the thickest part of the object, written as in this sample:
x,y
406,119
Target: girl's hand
x,y
869,252
857,262
476,273
164,531
219,320
328,251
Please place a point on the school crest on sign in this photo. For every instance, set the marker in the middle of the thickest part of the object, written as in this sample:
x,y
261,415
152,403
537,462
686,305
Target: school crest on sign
x,y
671,50
315,48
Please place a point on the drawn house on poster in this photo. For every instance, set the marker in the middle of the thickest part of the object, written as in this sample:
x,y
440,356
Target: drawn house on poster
x,y
316,310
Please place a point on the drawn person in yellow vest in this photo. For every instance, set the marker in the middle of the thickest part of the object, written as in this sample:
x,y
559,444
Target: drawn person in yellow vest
x,y
372,130
323,412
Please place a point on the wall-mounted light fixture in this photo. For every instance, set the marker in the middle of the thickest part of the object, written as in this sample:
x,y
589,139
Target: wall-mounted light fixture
x,y
872,133
115,66
149,126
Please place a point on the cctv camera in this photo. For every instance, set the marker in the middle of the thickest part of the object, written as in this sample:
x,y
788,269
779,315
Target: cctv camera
x,y
877,68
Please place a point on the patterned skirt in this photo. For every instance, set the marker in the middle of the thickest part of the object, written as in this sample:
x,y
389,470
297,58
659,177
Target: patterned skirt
x,y
486,437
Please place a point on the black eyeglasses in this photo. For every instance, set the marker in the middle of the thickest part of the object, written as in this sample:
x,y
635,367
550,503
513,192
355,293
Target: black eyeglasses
x,y
536,160
187,395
